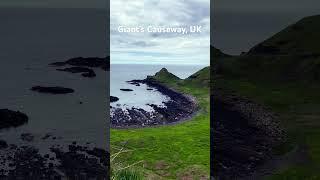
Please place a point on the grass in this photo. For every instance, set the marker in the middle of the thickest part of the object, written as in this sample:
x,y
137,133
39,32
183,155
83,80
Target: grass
x,y
287,81
127,175
173,151
298,106
300,37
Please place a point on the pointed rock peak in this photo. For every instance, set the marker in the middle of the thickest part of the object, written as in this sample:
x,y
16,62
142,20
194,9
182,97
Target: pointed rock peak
x,y
164,70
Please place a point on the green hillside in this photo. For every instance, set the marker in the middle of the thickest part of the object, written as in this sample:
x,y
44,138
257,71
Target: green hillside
x,y
290,55
217,52
299,38
283,74
164,76
200,78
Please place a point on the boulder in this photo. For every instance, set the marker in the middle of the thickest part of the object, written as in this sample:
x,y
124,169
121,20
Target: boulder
x,y
52,90
126,89
3,144
9,118
114,99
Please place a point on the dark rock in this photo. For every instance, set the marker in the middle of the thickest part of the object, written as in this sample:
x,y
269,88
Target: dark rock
x,y
149,89
10,118
86,72
58,64
89,74
243,134
126,89
96,62
178,108
27,163
133,83
13,146
46,136
52,90
27,137
102,154
3,144
76,164
50,165
114,99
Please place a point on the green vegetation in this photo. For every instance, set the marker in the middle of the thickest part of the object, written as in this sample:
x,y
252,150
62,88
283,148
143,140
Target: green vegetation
x,y
174,151
288,82
164,76
127,175
301,37
120,170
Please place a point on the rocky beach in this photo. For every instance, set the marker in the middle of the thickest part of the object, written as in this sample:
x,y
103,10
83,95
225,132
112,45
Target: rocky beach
x,y
25,161
178,108
244,133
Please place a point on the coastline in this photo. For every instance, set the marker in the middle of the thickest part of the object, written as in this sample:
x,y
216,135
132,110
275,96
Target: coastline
x,y
52,152
188,102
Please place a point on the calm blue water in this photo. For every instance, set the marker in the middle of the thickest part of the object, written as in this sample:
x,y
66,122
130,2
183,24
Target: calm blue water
x,y
120,73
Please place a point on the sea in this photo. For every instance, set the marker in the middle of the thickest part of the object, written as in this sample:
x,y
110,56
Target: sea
x,y
141,96
31,38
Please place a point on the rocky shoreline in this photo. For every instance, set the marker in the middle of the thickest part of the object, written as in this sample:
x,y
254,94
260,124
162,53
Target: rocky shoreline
x,y
243,134
71,161
34,155
178,108
77,162
83,66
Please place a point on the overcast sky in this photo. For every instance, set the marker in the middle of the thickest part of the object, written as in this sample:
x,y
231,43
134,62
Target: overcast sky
x,y
239,25
155,48
267,5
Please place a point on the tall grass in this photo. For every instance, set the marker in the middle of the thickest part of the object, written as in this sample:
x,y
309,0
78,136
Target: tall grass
x,y
120,171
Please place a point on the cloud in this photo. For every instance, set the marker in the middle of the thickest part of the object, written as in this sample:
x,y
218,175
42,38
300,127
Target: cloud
x,y
267,5
170,48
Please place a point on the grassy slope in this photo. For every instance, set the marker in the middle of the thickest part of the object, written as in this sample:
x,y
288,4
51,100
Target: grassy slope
x,y
293,94
300,37
173,151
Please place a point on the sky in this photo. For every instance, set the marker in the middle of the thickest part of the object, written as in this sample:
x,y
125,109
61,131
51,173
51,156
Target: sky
x,y
237,26
267,5
160,48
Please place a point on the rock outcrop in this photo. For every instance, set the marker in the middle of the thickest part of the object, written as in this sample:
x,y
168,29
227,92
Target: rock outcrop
x,y
85,72
52,90
9,118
